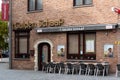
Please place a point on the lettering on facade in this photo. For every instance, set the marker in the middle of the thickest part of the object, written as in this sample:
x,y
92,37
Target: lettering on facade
x,y
40,24
60,29
117,42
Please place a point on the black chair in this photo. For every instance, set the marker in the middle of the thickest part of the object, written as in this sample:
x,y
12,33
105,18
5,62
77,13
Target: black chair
x,y
82,69
44,66
75,68
106,67
91,69
100,69
69,68
57,68
117,70
61,67
51,67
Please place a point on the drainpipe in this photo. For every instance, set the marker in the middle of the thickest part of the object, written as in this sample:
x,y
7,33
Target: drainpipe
x,y
10,34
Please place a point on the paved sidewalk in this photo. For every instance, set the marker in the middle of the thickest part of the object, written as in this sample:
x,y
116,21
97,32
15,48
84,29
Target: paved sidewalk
x,y
7,74
4,60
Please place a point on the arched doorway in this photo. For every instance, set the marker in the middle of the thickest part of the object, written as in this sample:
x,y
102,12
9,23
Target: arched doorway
x,y
44,54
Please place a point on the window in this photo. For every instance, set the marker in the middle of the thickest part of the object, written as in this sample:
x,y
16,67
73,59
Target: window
x,y
21,44
81,46
34,5
82,2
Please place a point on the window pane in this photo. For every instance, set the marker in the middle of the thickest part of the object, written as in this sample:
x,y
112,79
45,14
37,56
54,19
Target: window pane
x,y
90,43
23,45
31,5
88,2
39,4
45,53
73,44
16,47
81,44
78,2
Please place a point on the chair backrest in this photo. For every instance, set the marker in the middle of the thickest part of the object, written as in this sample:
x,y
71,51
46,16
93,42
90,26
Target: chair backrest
x,y
69,65
43,63
51,64
100,66
91,66
61,64
118,67
83,66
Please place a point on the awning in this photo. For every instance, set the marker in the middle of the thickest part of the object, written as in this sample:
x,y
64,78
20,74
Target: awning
x,y
76,28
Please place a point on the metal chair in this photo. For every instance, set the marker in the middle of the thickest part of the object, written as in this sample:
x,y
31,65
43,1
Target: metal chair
x,y
51,67
83,68
69,68
91,69
57,68
107,66
44,66
117,70
100,69
61,67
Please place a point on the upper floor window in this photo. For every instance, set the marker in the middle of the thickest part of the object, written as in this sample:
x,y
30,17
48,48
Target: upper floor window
x,y
34,5
82,2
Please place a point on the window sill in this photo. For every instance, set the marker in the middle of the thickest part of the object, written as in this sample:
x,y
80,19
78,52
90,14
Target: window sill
x,y
22,59
73,60
81,6
35,11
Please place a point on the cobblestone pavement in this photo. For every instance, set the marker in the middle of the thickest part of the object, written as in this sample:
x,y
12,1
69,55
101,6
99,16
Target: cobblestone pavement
x,y
7,74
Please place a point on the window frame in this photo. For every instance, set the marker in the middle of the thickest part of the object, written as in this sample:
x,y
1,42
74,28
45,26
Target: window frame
x,y
17,42
28,8
79,56
82,5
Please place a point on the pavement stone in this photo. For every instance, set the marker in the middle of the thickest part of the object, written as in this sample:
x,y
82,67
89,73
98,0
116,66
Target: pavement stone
x,y
4,60
8,74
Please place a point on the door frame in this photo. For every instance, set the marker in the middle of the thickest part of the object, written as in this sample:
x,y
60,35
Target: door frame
x,y
40,50
36,51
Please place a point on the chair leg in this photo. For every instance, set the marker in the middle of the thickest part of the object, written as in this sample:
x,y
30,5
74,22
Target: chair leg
x,y
86,71
66,71
72,71
54,70
104,72
60,71
89,72
116,73
96,72
47,69
43,68
79,71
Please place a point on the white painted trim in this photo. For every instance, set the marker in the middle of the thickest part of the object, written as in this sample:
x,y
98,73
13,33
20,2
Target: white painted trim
x,y
36,51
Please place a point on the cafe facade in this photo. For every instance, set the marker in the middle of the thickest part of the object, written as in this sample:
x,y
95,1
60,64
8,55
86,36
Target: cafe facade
x,y
61,30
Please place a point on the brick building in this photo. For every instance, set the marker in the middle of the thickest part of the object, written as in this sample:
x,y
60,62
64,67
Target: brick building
x,y
62,30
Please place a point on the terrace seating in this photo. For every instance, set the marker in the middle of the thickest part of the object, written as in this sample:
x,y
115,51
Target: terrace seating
x,y
69,68
107,66
44,66
91,69
51,67
100,69
117,70
75,68
57,68
61,67
83,68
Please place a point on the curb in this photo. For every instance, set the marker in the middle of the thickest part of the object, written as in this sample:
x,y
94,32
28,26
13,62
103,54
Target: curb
x,y
3,62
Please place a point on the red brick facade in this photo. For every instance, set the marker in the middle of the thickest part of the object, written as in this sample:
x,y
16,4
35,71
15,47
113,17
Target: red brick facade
x,y
98,13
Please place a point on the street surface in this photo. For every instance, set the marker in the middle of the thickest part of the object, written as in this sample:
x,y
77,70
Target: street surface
x,y
7,74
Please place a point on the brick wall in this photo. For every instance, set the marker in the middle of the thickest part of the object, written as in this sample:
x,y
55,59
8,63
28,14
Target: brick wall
x,y
99,13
